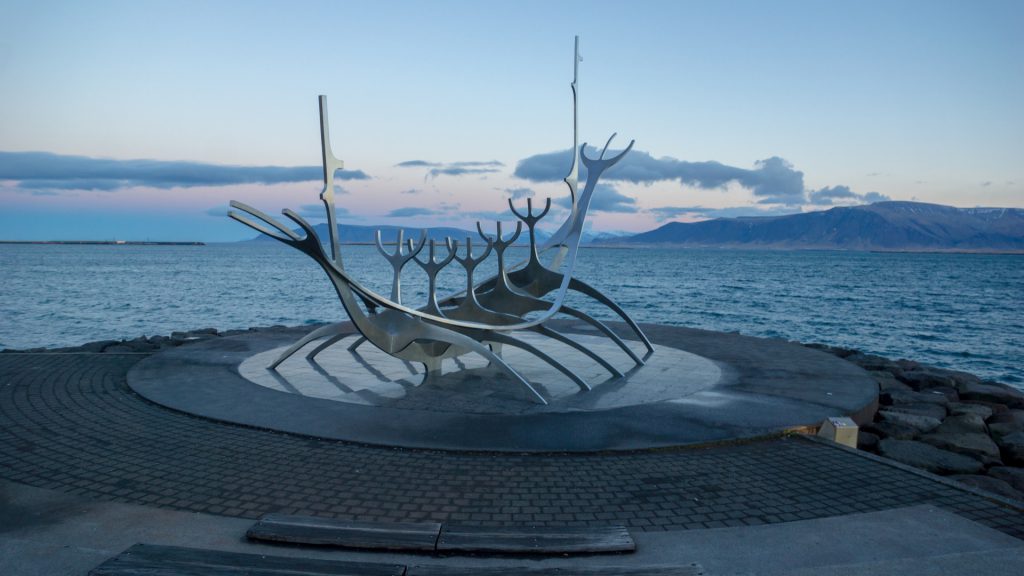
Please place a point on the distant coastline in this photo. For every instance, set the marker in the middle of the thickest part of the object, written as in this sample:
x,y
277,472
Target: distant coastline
x,y
798,248
103,242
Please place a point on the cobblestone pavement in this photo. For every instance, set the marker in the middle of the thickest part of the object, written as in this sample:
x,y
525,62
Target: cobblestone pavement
x,y
69,422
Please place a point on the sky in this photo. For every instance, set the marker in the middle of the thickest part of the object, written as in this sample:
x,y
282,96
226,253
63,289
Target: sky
x,y
142,120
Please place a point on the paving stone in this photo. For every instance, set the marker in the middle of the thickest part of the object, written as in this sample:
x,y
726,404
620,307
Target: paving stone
x,y
70,423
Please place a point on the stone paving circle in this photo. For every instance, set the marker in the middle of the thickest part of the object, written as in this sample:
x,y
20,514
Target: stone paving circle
x,y
698,386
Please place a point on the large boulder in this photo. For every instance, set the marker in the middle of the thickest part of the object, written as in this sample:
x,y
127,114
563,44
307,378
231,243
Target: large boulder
x,y
936,411
1012,448
970,444
136,345
897,397
927,377
90,347
1006,423
963,423
963,377
993,485
928,457
948,391
888,383
873,362
991,392
891,430
919,422
960,408
834,350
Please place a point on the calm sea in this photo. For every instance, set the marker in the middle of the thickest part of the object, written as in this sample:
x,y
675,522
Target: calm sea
x,y
960,311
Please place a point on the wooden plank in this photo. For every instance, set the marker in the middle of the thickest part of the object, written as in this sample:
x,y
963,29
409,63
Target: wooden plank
x,y
346,534
151,560
539,540
441,570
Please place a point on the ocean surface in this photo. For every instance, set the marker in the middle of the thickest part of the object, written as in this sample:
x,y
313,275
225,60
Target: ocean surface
x,y
961,311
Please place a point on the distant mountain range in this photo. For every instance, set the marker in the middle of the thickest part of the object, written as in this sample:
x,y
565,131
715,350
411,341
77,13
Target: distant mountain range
x,y
893,226
351,234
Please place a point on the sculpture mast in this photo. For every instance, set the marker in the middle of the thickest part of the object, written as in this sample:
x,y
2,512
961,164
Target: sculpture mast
x,y
331,164
572,179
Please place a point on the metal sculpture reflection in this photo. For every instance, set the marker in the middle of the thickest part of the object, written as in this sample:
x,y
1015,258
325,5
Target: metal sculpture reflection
x,y
486,315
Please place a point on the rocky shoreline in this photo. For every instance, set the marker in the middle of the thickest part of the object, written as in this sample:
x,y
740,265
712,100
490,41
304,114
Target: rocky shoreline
x,y
946,422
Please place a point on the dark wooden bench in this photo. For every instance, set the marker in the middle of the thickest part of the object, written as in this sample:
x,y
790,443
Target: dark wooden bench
x,y
151,560
447,538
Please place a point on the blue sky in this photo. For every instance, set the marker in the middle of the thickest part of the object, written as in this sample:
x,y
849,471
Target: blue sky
x,y
136,120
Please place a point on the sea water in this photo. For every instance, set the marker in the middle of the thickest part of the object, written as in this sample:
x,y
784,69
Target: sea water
x,y
960,311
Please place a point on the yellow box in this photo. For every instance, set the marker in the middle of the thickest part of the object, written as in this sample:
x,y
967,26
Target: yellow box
x,y
840,429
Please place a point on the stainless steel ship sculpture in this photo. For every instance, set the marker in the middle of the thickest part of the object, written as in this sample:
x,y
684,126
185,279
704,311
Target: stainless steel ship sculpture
x,y
487,314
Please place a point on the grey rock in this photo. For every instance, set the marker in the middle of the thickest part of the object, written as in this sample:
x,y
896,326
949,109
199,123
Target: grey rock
x,y
996,408
888,383
90,347
1012,476
928,457
973,445
872,362
834,350
1006,423
1012,448
120,348
140,344
916,421
992,392
867,441
963,377
926,377
905,364
203,331
949,392
963,424
936,411
892,430
990,484
959,408
896,397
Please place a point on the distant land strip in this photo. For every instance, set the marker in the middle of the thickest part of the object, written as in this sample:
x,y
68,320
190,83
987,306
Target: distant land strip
x,y
104,242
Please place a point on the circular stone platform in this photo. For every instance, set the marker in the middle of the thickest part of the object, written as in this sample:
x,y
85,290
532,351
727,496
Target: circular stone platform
x,y
697,387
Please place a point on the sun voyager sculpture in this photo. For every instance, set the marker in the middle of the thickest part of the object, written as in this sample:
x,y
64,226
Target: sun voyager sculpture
x,y
489,313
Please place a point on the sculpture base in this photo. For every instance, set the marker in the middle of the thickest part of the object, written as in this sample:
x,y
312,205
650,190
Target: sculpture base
x,y
467,384
698,387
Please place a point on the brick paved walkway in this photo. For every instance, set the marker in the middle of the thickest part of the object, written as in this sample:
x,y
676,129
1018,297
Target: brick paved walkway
x,y
68,422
